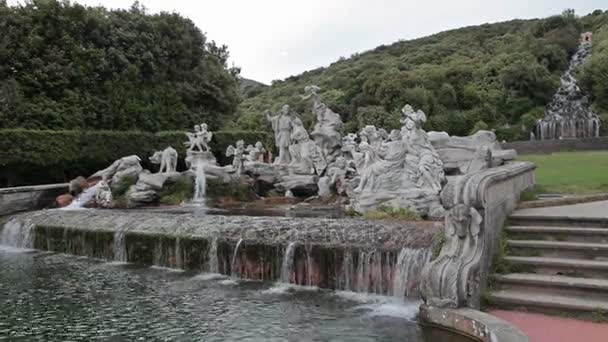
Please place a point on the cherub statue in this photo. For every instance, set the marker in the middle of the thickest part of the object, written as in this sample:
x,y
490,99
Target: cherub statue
x,y
256,153
337,175
199,139
240,154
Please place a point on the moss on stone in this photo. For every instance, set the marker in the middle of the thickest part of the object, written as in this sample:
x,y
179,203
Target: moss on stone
x,y
388,213
235,191
177,191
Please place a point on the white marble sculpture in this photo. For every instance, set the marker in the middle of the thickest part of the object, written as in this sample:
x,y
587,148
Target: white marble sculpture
x,y
200,139
326,133
166,158
282,125
103,195
399,173
306,157
239,154
256,153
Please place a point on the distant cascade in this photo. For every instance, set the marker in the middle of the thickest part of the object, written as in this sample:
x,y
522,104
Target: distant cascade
x,y
233,265
18,234
86,197
120,246
406,279
568,114
213,265
200,184
288,263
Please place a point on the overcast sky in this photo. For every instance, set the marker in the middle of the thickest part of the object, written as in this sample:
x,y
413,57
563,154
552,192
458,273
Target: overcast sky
x,y
274,39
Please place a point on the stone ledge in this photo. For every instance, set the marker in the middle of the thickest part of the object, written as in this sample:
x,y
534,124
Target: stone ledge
x,y
566,200
30,188
24,198
474,324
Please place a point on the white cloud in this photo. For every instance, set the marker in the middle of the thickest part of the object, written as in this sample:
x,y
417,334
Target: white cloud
x,y
273,39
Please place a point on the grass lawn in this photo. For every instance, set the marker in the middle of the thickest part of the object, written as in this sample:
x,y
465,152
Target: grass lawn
x,y
571,172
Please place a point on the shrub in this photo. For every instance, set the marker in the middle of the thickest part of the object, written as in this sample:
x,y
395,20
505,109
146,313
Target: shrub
x,y
388,213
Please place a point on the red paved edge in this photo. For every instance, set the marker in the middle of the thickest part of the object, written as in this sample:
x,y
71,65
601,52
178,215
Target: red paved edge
x,y
542,328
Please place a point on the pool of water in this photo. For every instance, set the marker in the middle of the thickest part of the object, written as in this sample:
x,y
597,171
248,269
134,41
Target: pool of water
x,y
54,297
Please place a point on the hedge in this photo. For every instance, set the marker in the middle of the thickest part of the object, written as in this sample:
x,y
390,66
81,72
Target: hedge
x,y
38,156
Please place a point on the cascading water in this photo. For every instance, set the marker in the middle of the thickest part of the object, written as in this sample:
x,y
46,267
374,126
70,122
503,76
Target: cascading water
x,y
406,278
200,184
213,266
288,262
233,265
120,246
568,115
83,199
18,234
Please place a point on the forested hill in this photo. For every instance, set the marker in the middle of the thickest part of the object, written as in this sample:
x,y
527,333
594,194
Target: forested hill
x,y
66,66
495,75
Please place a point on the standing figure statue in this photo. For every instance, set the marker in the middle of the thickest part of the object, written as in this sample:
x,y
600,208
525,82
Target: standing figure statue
x,y
239,155
282,124
326,133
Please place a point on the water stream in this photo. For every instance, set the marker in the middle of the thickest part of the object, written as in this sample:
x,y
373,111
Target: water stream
x,y
83,199
200,184
288,262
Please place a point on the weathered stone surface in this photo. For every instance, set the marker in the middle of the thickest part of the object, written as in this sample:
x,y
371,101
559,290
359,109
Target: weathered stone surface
x,y
24,198
123,168
478,204
471,323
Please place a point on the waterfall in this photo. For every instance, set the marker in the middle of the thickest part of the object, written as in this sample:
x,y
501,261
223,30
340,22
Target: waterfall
x,y
120,246
213,266
18,234
233,269
410,263
568,115
288,262
363,267
348,270
309,265
83,199
200,184
179,263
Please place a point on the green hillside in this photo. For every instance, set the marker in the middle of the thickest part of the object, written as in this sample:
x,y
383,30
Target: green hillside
x,y
494,75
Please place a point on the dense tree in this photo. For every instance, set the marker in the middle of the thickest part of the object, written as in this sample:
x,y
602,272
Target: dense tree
x,y
67,66
498,76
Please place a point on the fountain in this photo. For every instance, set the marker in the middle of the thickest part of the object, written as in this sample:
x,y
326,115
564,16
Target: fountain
x,y
200,184
568,115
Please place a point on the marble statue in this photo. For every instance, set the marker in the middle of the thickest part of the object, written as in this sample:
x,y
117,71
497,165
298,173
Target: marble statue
x,y
326,132
399,170
282,124
446,281
103,195
256,153
239,154
199,139
306,158
166,158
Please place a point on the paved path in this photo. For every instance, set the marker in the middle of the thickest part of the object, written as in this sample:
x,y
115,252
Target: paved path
x,y
541,328
586,210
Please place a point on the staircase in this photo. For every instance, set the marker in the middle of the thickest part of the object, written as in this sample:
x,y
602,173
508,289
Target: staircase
x,y
559,265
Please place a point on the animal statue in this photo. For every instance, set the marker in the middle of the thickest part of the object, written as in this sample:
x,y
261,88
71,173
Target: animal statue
x,y
166,158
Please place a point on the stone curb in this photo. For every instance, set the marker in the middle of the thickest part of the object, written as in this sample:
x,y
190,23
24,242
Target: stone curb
x,y
567,200
471,323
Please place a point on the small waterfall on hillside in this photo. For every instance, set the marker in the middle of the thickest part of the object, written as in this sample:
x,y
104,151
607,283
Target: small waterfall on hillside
x,y
83,199
200,184
568,115
119,246
233,264
410,263
213,265
288,263
18,234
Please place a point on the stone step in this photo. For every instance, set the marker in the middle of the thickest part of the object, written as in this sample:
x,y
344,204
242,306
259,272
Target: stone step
x,y
539,301
571,234
560,249
559,266
557,221
553,284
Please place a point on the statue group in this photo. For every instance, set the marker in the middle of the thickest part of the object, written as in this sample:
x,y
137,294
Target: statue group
x,y
371,168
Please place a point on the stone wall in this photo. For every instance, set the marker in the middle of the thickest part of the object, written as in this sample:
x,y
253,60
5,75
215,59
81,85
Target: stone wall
x,y
552,146
477,206
24,198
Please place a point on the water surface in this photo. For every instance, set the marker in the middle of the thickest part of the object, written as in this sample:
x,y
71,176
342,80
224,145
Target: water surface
x,y
54,297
